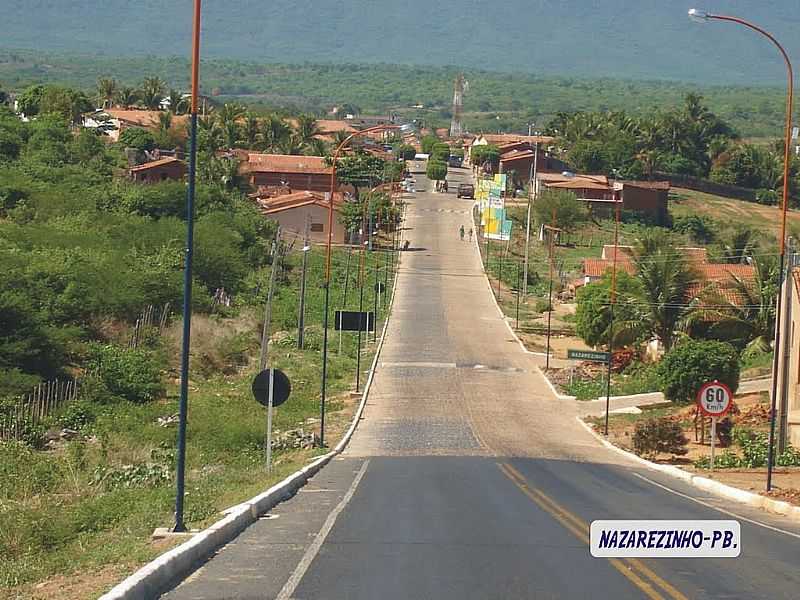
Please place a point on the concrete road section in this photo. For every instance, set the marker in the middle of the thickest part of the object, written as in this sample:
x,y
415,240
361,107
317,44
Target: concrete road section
x,y
468,479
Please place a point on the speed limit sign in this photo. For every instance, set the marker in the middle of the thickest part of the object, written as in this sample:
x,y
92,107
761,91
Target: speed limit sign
x,y
714,399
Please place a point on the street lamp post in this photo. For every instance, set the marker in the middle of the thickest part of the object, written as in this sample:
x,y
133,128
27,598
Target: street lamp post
x,y
183,403
702,17
328,248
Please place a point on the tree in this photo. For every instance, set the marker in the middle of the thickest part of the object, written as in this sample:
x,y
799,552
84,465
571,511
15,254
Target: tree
x,y
316,147
694,362
747,320
251,130
436,170
127,97
306,129
30,100
486,154
406,152
569,212
177,103
65,102
106,91
134,137
666,282
440,152
427,143
152,92
593,311
274,131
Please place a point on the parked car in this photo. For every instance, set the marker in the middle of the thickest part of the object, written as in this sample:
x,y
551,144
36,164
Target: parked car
x,y
465,190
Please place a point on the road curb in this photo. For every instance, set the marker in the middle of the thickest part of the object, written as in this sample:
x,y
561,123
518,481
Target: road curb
x,y
164,571
778,507
553,389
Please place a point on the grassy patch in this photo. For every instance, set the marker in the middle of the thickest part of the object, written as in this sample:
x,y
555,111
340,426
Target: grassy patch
x,y
94,501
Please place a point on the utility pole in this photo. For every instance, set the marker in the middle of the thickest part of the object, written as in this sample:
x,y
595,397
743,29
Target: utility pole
x,y
376,295
268,308
531,184
361,277
183,403
302,313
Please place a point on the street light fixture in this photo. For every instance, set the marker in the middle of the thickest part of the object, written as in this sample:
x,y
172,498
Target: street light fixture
x,y
339,149
702,17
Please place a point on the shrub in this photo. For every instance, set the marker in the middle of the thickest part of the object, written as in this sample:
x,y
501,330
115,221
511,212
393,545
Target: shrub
x,y
134,137
656,436
131,374
436,170
753,445
691,364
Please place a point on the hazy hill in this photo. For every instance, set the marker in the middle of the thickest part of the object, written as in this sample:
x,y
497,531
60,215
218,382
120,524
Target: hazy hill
x,y
650,39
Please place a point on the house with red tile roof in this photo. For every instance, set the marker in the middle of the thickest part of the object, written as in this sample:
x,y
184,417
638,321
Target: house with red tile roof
x,y
310,173
295,210
163,169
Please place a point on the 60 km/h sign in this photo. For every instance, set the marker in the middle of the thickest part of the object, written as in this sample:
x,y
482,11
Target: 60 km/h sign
x,y
714,399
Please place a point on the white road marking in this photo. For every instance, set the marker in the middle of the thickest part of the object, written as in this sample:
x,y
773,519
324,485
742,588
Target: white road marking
x,y
722,510
419,365
311,553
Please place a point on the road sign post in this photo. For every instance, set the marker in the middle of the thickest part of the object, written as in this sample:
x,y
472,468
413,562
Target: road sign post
x,y
714,400
589,355
271,387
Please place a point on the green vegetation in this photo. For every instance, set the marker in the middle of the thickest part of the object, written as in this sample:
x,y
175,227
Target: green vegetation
x,y
753,450
695,362
659,436
518,98
436,170
560,208
84,253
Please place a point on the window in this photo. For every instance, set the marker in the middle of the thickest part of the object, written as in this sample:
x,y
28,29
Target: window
x,y
317,227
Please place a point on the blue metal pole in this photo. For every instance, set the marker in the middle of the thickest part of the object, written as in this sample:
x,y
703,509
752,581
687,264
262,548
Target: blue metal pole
x,y
187,284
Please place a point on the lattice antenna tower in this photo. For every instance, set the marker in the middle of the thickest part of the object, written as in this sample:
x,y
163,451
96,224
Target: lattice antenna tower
x,y
456,126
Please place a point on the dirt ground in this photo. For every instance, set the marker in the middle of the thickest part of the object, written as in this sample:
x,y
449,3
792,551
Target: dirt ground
x,y
754,413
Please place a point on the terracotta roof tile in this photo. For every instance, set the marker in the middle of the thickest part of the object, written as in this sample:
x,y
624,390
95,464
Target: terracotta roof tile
x,y
157,163
286,163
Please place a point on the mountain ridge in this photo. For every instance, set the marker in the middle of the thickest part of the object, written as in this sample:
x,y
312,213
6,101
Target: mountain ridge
x,y
637,39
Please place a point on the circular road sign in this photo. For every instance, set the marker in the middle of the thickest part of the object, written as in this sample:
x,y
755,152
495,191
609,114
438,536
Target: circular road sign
x,y
714,399
281,392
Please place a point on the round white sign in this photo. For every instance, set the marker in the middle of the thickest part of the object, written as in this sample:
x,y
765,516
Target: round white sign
x,y
714,399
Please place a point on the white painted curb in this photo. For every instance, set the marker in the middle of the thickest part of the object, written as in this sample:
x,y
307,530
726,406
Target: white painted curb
x,y
711,486
553,389
157,576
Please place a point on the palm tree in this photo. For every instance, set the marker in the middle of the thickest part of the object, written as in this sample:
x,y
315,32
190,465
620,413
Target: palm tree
x,y
230,133
106,91
339,137
127,97
666,282
230,113
739,246
152,92
274,131
290,144
746,315
316,147
177,103
306,128
164,121
251,130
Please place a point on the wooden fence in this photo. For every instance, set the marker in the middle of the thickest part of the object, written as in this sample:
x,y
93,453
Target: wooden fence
x,y
147,320
45,399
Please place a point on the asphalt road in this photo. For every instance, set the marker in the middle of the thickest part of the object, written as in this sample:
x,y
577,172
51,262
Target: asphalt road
x,y
468,479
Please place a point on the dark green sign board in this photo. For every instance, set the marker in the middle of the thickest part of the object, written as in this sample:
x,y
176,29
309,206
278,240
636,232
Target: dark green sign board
x,y
589,355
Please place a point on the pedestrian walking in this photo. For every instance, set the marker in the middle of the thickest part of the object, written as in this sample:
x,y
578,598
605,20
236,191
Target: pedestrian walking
x,y
461,233
470,234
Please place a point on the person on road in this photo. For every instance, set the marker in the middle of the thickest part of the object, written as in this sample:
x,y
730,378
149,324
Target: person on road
x,y
461,233
444,186
470,234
